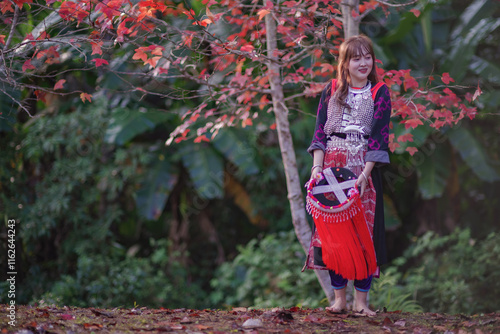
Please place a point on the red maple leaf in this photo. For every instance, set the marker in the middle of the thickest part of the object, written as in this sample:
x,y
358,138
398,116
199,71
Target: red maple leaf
x,y
59,84
406,137
6,6
412,150
100,62
111,8
85,96
247,48
152,61
2,39
201,138
190,14
30,37
415,11
40,95
70,11
96,48
28,66
477,93
140,54
262,13
412,123
209,3
20,3
410,81
446,79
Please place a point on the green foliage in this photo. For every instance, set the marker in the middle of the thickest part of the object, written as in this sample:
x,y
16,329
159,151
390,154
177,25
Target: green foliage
x,y
267,273
386,292
453,274
124,281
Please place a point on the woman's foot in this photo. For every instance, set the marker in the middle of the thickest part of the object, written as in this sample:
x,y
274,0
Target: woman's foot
x,y
337,307
361,304
364,309
340,302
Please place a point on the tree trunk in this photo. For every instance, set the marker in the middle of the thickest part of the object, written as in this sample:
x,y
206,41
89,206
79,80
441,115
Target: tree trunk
x,y
294,187
351,23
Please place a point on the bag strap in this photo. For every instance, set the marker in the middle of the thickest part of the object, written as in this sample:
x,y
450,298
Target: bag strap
x,y
334,86
376,88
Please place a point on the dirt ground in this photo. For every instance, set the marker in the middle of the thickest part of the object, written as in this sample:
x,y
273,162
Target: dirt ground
x,y
30,319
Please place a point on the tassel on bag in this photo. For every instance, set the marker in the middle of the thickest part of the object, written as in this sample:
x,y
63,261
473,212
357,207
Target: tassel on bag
x,y
347,246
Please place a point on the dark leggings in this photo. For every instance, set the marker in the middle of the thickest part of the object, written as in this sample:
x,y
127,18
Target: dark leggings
x,y
339,282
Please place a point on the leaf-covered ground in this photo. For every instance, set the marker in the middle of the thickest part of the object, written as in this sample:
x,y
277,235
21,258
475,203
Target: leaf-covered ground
x,y
31,319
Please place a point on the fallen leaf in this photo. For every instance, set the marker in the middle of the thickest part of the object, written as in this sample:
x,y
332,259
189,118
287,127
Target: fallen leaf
x,y
178,327
387,322
239,309
469,323
440,328
106,314
67,317
186,320
202,327
400,323
92,326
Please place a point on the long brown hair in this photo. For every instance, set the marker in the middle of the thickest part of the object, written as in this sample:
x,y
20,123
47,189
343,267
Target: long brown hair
x,y
350,48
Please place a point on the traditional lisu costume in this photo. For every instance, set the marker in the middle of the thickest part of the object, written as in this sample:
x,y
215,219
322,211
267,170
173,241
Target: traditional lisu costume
x,y
344,222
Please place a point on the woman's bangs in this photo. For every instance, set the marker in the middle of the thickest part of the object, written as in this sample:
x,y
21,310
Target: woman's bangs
x,y
358,49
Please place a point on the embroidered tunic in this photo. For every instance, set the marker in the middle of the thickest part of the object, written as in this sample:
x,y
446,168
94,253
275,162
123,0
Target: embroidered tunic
x,y
350,137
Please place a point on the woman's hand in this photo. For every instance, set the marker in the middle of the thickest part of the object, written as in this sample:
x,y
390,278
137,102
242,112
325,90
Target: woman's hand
x,y
362,183
317,167
315,173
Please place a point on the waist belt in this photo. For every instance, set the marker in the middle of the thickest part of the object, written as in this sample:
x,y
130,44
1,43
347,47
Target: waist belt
x,y
342,135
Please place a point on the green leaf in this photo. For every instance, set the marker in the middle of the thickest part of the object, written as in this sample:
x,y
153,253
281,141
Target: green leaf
x,y
472,153
127,123
237,150
8,107
206,168
155,189
463,48
433,172
485,69
478,10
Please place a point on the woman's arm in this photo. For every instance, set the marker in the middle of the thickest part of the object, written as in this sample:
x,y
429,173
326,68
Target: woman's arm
x,y
318,156
319,138
378,143
363,177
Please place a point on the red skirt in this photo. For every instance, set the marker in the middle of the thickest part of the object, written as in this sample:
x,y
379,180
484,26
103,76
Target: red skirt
x,y
346,242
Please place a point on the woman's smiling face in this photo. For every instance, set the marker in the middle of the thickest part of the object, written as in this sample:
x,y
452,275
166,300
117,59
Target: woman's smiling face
x,y
360,67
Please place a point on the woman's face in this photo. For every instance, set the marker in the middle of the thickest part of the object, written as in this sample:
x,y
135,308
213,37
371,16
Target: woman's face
x,y
360,67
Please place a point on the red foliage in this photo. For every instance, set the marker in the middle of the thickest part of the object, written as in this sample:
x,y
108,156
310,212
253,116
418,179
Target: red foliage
x,y
240,61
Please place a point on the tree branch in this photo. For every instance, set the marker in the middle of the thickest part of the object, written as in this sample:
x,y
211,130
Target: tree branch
x,y
397,4
12,27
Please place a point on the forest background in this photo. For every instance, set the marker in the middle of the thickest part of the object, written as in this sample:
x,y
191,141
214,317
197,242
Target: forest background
x,y
109,215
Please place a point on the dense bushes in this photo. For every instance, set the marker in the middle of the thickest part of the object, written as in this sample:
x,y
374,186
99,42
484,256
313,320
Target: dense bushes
x,y
454,273
114,281
267,273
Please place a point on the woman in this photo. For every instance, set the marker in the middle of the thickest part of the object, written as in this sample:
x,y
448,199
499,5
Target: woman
x,y
352,131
